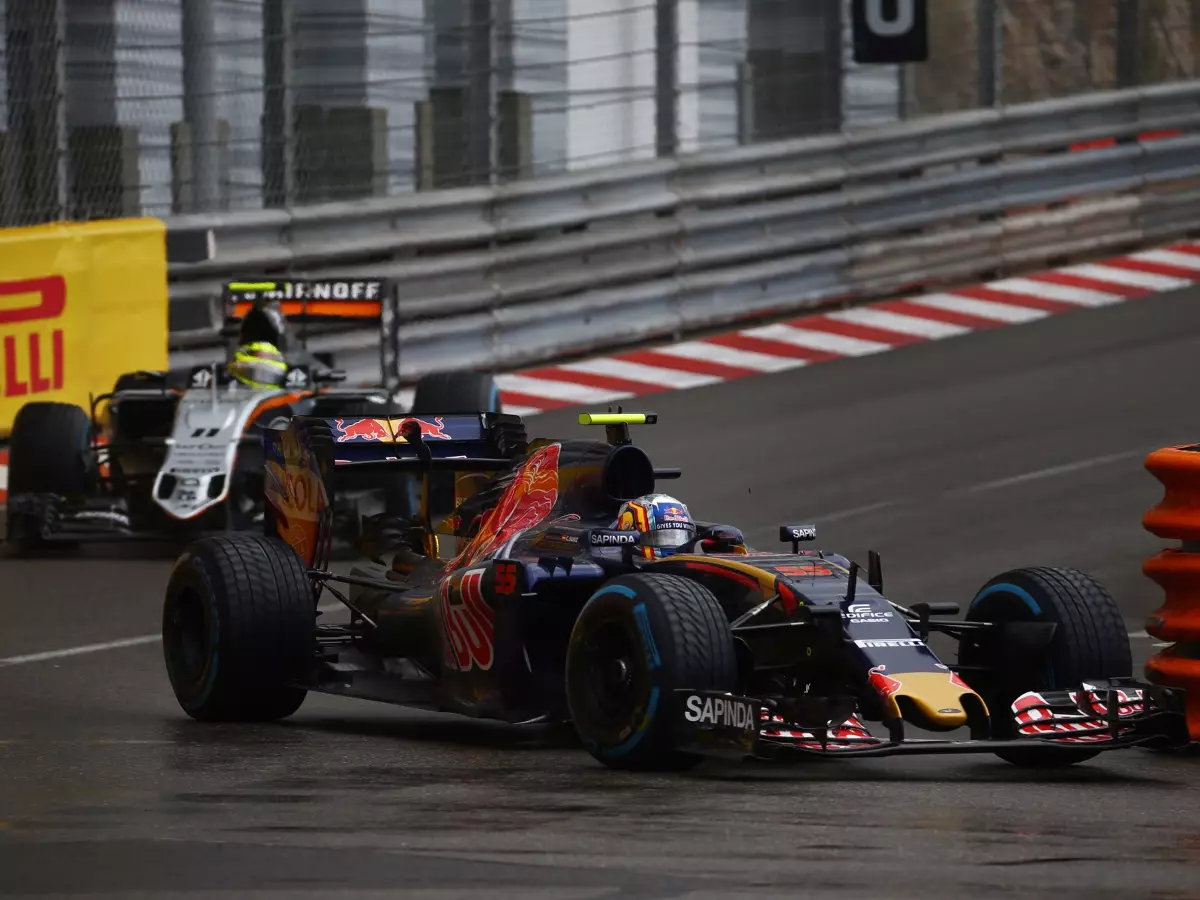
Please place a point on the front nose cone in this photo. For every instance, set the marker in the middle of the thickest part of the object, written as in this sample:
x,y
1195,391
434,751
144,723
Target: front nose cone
x,y
930,700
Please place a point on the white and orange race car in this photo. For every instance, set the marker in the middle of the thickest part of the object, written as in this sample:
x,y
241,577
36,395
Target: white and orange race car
x,y
177,453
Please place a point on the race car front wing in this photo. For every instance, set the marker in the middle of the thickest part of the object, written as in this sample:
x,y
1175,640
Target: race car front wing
x,y
1101,714
49,519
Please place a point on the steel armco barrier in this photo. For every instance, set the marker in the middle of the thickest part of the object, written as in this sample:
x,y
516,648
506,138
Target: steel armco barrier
x,y
1177,571
529,271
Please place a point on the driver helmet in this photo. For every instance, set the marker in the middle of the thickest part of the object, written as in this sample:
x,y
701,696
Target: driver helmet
x,y
664,523
264,322
259,365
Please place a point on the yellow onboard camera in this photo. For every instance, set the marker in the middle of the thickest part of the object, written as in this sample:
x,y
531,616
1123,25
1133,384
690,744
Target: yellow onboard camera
x,y
616,424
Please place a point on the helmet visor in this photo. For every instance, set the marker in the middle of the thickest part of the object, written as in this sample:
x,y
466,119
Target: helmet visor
x,y
675,536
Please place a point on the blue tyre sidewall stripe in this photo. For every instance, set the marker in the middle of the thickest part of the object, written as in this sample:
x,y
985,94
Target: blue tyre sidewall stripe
x,y
1007,587
654,661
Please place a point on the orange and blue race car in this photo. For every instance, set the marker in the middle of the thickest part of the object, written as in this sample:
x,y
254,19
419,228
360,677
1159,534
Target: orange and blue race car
x,y
532,602
179,453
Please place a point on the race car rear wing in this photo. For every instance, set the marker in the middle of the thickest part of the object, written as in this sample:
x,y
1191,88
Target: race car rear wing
x,y
304,298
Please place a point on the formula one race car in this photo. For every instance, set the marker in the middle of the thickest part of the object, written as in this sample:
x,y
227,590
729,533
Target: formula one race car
x,y
548,609
179,453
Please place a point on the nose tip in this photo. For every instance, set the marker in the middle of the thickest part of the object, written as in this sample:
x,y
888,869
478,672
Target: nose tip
x,y
930,700
943,717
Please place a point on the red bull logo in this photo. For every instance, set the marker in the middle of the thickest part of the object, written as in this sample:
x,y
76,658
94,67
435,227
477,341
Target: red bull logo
x,y
435,429
883,684
382,429
362,430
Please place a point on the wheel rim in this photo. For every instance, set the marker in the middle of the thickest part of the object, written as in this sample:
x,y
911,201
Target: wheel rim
x,y
612,680
187,639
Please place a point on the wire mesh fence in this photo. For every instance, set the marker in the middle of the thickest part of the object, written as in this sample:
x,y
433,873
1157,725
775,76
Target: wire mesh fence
x,y
157,107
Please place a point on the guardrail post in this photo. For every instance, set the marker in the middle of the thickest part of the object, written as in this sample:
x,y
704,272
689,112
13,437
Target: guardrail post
x,y
988,39
745,103
1129,43
35,48
441,146
1177,571
514,148
105,178
278,152
200,101
795,55
356,152
666,58
184,195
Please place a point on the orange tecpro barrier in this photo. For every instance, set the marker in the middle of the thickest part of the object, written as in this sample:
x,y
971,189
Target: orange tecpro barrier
x,y
1177,571
80,305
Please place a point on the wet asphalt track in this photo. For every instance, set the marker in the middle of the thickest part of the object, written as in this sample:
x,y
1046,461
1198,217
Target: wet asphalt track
x,y
955,459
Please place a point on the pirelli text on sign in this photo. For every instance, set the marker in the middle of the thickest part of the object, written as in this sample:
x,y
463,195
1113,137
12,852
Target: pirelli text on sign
x,y
34,362
81,303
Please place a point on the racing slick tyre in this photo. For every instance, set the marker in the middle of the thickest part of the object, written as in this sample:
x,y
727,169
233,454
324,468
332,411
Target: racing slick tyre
x,y
1090,642
49,454
455,393
239,628
638,639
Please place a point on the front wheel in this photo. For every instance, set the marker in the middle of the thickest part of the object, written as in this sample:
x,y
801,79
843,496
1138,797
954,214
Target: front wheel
x,y
1090,642
49,454
636,641
239,628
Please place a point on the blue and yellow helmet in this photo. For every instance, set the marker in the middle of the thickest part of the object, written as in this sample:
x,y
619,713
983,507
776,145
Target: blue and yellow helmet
x,y
259,365
664,523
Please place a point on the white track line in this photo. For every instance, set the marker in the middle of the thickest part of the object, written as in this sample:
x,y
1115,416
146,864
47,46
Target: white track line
x,y
557,390
120,644
1175,258
821,341
79,651
634,371
731,356
890,321
1130,277
1054,470
3,477
1049,291
984,309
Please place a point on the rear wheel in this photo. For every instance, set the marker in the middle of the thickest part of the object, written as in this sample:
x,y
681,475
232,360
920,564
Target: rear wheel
x,y
239,628
637,640
1090,641
456,393
49,454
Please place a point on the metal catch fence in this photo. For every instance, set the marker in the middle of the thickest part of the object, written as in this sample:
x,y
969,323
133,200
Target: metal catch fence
x,y
112,108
